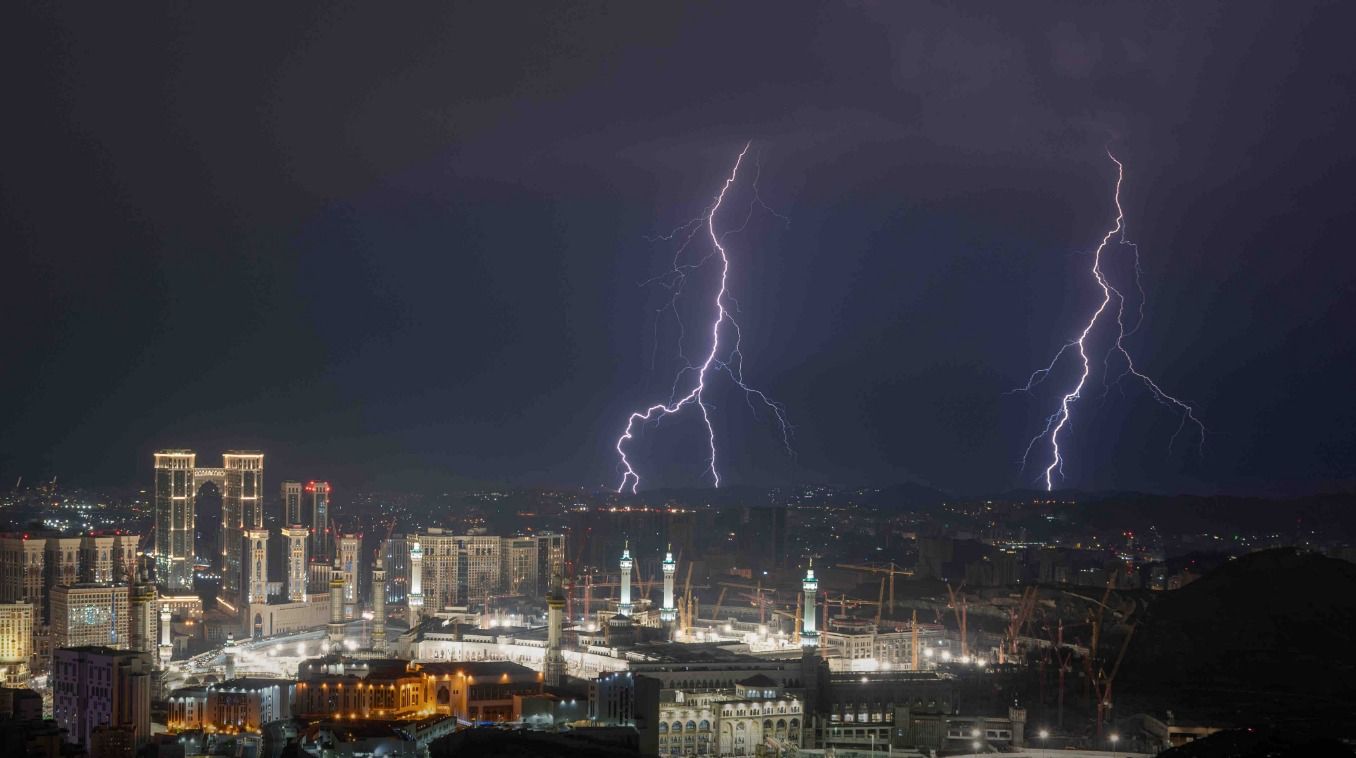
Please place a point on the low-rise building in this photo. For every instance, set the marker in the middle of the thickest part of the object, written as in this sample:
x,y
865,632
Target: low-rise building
x,y
756,714
482,691
287,617
382,689
187,709
246,704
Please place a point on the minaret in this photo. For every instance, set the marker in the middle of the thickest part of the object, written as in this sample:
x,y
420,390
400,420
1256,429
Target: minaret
x,y
416,598
668,613
296,561
379,606
626,564
230,656
335,628
808,636
166,643
256,565
142,612
553,668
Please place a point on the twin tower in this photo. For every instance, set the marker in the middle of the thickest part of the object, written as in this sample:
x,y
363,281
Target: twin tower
x,y
243,537
669,611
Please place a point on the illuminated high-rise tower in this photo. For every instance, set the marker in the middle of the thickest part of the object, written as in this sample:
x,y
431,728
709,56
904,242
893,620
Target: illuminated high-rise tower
x,y
808,636
241,509
626,563
291,498
669,612
322,539
175,496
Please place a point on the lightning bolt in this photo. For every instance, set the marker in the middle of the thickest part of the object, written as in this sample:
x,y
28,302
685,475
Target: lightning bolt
x,y
731,362
1057,421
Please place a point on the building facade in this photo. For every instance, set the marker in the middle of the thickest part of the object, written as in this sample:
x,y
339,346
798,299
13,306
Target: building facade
x,y
452,570
91,614
94,686
16,643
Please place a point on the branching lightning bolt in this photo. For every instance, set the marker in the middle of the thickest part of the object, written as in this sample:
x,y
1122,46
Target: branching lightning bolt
x,y
731,362
1057,421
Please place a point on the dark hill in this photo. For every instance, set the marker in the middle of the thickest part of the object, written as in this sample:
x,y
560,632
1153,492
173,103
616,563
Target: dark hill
x,y
1268,637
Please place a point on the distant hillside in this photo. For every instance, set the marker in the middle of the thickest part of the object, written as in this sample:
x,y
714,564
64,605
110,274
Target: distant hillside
x,y
1331,515
1268,635
907,496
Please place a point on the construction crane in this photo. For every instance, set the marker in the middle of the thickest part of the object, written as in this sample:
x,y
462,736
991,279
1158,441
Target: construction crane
x,y
688,605
891,568
1017,621
589,586
880,605
570,566
757,597
913,641
960,607
720,600
1102,681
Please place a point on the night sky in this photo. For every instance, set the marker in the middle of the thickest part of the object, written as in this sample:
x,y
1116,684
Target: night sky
x,y
402,248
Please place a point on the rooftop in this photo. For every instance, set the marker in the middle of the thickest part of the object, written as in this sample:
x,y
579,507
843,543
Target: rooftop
x,y
250,683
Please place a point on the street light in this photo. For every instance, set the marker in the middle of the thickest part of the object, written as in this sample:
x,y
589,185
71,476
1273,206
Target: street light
x,y
1044,735
1114,739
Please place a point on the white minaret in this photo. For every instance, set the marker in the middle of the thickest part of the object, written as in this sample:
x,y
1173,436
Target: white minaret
x,y
626,564
296,561
256,567
335,628
416,598
808,636
669,612
379,606
554,668
166,644
230,656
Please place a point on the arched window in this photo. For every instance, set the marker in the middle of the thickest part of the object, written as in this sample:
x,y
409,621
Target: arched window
x,y
781,726
767,726
663,727
705,726
692,726
677,727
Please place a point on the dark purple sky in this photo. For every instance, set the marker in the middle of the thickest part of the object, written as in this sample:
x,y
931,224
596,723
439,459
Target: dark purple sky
x,y
400,247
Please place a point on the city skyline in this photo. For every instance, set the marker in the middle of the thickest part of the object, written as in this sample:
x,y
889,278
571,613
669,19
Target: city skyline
x,y
678,380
